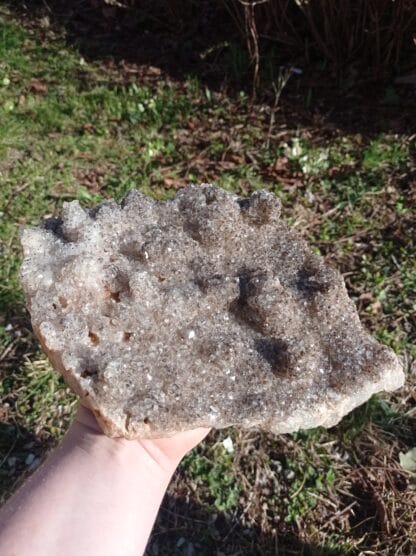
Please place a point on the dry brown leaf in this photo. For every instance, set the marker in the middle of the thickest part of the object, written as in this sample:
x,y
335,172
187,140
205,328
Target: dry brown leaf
x,y
37,86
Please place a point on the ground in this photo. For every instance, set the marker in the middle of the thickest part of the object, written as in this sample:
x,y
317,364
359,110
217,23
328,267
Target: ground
x,y
78,126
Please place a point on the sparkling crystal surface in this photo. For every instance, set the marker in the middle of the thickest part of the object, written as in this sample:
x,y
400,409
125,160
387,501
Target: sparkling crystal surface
x,y
203,310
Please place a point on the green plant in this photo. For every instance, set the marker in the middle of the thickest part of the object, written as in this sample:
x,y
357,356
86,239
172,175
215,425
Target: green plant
x,y
215,473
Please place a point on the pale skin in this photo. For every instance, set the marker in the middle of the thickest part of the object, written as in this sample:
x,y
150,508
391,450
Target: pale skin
x,y
93,495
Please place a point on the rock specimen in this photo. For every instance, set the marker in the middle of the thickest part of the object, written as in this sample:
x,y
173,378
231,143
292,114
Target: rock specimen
x,y
203,310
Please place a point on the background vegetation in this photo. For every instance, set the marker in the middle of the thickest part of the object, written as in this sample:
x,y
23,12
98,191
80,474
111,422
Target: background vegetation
x,y
97,99
349,40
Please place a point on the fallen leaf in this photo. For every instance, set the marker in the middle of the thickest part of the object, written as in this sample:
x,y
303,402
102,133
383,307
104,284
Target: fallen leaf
x,y
86,156
376,307
237,158
63,191
174,183
366,296
408,460
92,179
38,86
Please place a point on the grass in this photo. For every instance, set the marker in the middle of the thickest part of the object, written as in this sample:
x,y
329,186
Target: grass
x,y
72,129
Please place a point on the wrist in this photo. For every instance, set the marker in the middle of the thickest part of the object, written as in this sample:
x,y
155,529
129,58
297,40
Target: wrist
x,y
86,435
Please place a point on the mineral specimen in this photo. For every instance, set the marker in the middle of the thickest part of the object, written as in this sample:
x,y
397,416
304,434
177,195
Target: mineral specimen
x,y
203,310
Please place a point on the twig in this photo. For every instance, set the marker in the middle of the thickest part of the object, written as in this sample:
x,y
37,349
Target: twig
x,y
252,40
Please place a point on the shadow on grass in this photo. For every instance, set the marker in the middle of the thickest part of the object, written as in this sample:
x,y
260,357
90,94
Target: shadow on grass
x,y
21,452
186,528
160,39
182,528
152,34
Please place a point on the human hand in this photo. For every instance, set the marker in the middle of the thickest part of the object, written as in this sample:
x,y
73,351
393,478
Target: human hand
x,y
106,490
166,452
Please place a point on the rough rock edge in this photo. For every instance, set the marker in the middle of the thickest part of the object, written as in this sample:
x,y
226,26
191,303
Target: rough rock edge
x,y
326,414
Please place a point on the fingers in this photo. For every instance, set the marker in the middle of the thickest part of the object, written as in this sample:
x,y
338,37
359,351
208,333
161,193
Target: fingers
x,y
173,447
180,443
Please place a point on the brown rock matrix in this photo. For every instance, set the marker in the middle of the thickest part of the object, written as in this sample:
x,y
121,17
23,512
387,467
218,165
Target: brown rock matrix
x,y
203,310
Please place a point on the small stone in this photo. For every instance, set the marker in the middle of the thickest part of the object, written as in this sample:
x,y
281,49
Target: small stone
x,y
289,474
228,445
203,310
34,465
29,459
278,467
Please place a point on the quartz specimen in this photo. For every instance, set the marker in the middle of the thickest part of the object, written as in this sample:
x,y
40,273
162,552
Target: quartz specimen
x,y
203,310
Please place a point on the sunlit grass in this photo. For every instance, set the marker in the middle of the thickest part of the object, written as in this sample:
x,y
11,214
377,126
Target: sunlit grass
x,y
68,132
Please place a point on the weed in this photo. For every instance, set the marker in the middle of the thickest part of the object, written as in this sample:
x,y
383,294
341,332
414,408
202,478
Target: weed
x,y
214,472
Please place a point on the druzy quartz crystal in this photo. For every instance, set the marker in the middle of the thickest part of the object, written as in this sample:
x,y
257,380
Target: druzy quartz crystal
x,y
202,310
